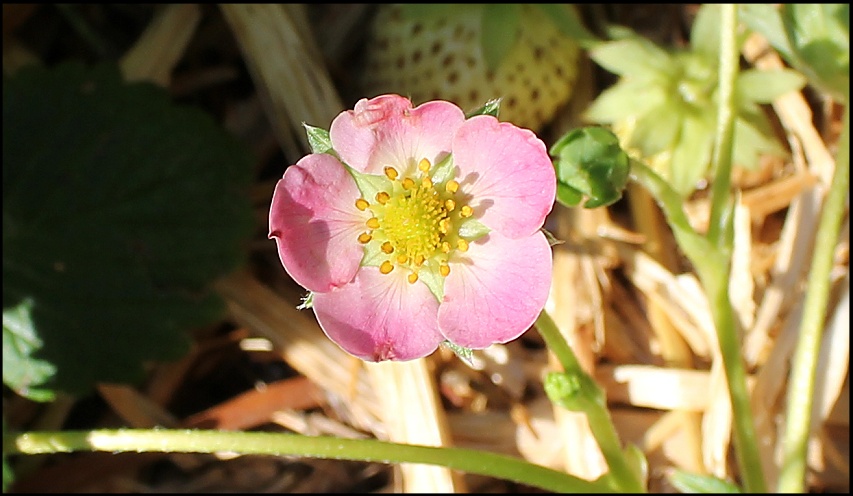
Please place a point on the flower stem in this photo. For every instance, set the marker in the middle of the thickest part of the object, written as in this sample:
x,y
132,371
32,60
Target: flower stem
x,y
594,406
712,265
267,443
801,387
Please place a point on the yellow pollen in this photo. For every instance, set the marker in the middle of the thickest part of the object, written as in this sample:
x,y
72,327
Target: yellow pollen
x,y
449,205
401,259
413,278
452,186
445,247
391,173
387,248
364,238
444,270
361,204
408,183
444,225
466,211
424,165
462,245
386,267
382,197
427,182
419,260
373,223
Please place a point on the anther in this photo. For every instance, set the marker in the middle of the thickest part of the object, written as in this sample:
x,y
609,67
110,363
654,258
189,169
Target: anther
x,y
445,247
373,223
408,183
462,245
444,225
401,259
449,205
419,260
427,182
386,267
452,186
443,269
391,173
361,204
364,238
382,197
466,211
387,248
424,165
413,278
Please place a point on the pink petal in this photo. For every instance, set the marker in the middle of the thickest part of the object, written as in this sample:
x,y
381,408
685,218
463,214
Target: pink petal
x,y
387,131
507,172
315,223
495,292
380,316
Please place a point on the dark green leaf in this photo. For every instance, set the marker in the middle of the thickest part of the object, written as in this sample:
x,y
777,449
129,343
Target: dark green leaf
x,y
318,139
501,23
705,484
119,209
492,107
590,161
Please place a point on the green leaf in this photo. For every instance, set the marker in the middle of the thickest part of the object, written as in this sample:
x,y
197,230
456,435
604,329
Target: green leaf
x,y
819,35
766,20
492,107
318,139
119,210
705,33
501,23
692,155
590,161
764,86
620,101
23,371
567,20
633,57
687,482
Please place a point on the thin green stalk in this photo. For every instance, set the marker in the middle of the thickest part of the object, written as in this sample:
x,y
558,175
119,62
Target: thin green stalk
x,y
721,161
266,443
713,267
594,405
801,387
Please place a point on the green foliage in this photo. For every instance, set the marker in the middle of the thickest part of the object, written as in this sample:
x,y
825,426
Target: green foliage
x,y
119,209
501,23
664,106
318,139
590,163
696,483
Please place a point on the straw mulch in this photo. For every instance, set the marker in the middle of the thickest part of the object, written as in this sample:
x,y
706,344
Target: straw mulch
x,y
622,294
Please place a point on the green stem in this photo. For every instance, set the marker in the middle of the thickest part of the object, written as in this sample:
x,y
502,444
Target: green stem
x,y
266,443
801,387
713,267
620,474
721,161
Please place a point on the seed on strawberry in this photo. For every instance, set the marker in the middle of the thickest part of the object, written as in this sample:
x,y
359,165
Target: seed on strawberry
x,y
438,54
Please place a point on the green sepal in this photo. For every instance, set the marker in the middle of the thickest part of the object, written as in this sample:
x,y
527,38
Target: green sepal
x,y
318,139
472,229
369,184
552,240
687,482
590,162
443,171
307,301
430,276
464,354
492,107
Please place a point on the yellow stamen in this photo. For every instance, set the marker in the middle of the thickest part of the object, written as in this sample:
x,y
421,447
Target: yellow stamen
x,y
391,173
462,245
466,211
361,204
445,247
419,260
427,182
401,259
444,225
387,248
413,278
444,270
452,186
408,183
386,267
424,165
364,238
373,223
382,197
449,205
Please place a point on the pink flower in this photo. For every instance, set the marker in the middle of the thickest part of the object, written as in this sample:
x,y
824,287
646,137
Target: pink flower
x,y
421,227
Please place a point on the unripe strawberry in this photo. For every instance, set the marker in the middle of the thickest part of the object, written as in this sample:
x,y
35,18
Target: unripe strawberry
x,y
472,53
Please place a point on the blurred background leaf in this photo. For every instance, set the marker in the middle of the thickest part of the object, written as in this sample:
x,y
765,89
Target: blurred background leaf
x,y
119,209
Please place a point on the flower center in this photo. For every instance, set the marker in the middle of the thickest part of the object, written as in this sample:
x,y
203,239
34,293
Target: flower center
x,y
415,223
